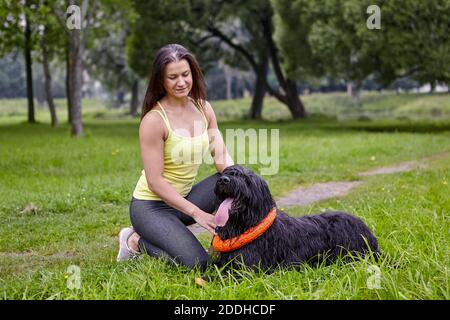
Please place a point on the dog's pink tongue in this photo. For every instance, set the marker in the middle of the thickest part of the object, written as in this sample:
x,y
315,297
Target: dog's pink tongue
x,y
221,216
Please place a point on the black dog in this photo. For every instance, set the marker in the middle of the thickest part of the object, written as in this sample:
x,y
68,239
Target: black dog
x,y
287,241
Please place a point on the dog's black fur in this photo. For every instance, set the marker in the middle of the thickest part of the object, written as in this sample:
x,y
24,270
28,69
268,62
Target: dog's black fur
x,y
290,241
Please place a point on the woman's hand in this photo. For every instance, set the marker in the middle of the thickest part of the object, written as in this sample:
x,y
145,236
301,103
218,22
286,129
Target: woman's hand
x,y
206,220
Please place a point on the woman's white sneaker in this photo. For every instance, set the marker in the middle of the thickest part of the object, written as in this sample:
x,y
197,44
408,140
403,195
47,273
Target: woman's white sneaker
x,y
125,252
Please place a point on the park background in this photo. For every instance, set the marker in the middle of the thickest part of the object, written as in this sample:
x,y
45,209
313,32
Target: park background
x,y
352,88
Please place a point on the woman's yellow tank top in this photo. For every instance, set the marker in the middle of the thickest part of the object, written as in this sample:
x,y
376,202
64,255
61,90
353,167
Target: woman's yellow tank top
x,y
182,158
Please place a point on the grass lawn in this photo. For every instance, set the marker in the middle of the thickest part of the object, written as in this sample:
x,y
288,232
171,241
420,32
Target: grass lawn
x,y
81,190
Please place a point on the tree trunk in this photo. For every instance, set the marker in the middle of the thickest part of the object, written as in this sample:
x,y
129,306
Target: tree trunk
x,y
294,103
290,97
29,71
134,98
48,80
260,89
76,81
432,86
68,96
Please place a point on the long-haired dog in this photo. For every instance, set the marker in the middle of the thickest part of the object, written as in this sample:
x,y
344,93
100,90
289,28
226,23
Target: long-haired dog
x,y
250,231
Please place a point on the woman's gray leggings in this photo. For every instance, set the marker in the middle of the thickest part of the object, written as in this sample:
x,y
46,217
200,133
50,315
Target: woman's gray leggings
x,y
163,229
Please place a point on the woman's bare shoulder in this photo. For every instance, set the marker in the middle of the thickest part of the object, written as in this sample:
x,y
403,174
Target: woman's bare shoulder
x,y
152,125
207,108
210,114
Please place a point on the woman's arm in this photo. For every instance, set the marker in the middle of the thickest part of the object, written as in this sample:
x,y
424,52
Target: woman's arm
x,y
151,137
219,152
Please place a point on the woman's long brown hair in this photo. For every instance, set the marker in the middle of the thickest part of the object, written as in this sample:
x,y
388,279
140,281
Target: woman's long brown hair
x,y
164,56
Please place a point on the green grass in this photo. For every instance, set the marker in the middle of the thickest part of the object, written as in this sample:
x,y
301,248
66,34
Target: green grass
x,y
82,188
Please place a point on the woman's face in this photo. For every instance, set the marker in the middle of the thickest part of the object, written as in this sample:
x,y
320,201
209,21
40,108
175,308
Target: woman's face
x,y
178,79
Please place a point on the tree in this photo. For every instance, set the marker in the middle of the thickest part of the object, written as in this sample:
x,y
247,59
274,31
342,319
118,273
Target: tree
x,y
17,32
47,77
160,19
165,21
51,45
33,20
416,41
76,28
333,39
107,59
319,38
239,32
77,39
258,48
28,47
243,42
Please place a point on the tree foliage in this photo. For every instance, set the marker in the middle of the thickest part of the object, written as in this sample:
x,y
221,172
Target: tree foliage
x,y
153,25
332,37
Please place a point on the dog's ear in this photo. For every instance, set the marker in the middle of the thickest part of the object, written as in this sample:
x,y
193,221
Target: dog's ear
x,y
259,184
261,196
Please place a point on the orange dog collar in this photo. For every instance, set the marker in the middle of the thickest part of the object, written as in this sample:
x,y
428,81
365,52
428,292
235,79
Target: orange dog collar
x,y
248,236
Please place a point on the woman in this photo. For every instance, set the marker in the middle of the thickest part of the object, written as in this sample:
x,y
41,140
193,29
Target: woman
x,y
177,128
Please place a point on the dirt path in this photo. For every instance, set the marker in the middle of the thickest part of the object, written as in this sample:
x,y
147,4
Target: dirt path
x,y
303,196
319,191
402,167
